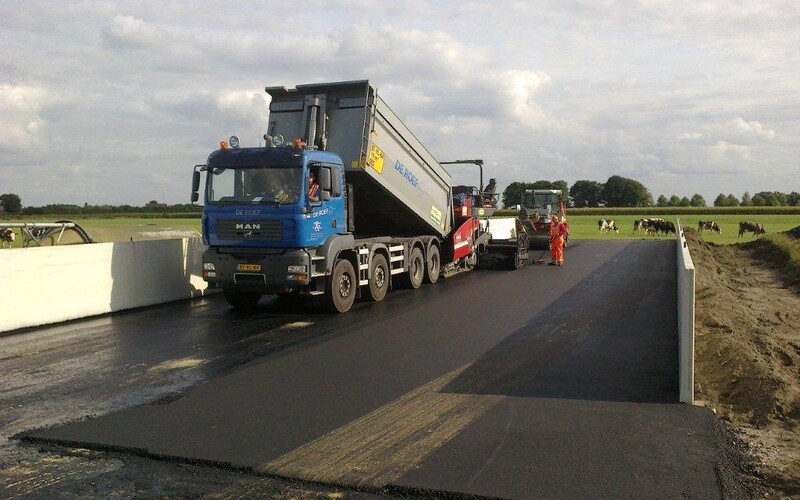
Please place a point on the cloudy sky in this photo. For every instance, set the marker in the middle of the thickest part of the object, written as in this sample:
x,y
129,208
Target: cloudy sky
x,y
114,102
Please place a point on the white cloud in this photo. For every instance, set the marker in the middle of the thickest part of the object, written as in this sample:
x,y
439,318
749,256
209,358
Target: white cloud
x,y
21,124
519,88
727,151
755,128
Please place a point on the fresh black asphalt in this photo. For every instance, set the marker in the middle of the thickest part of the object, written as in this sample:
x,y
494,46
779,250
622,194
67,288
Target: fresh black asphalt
x,y
580,364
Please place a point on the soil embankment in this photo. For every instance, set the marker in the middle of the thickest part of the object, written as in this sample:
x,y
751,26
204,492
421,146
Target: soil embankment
x,y
747,352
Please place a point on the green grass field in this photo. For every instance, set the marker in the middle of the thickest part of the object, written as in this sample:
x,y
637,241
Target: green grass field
x,y
585,226
581,226
109,226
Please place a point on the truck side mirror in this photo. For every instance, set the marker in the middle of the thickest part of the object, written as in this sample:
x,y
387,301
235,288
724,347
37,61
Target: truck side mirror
x,y
325,179
195,186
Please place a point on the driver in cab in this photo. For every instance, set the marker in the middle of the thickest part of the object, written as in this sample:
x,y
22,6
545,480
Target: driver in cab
x,y
313,186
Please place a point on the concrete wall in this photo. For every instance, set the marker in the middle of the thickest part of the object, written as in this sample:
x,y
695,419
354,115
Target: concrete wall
x,y
685,319
51,284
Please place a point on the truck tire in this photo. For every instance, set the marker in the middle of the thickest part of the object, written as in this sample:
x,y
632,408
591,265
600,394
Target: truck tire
x,y
416,269
340,292
434,265
241,300
379,278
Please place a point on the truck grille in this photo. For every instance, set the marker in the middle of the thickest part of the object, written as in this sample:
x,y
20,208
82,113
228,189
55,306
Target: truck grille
x,y
256,230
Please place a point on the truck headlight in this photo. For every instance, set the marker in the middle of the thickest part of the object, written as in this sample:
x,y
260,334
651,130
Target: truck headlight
x,y
209,266
296,269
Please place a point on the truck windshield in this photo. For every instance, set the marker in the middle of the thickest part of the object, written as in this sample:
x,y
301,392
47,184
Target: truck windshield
x,y
271,185
540,202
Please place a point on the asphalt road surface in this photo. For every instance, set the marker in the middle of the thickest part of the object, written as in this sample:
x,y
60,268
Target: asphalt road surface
x,y
546,382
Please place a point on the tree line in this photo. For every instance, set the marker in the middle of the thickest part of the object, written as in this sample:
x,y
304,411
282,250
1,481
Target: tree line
x,y
617,191
12,204
620,191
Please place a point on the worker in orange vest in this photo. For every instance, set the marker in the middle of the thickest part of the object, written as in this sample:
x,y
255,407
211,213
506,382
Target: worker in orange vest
x,y
558,231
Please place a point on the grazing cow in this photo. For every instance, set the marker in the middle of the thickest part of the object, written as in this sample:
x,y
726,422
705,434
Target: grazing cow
x,y
654,226
754,227
662,226
7,237
659,225
707,224
607,225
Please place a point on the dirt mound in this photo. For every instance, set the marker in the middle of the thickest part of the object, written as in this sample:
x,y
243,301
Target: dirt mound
x,y
747,352
794,233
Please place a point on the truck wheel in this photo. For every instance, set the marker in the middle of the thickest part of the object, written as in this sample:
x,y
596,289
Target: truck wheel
x,y
340,292
378,279
241,300
434,267
416,269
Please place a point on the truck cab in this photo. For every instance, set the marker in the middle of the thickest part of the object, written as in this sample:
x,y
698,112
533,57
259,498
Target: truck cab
x,y
260,224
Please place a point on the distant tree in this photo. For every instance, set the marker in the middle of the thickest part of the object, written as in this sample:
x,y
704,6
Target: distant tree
x,y
586,193
662,201
512,194
697,201
775,198
732,201
746,200
759,201
563,186
721,201
685,202
11,203
622,192
770,199
793,199
674,201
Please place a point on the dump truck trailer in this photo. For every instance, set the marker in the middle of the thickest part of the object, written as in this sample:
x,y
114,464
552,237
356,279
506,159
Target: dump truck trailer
x,y
385,215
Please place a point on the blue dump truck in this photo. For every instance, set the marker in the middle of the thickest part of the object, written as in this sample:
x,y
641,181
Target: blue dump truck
x,y
383,214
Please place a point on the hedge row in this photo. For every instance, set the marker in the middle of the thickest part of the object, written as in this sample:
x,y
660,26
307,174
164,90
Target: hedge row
x,y
114,215
706,211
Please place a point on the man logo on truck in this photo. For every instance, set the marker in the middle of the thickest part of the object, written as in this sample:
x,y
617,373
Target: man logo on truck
x,y
248,226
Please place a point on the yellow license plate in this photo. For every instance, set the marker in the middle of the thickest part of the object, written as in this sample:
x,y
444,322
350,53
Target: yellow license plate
x,y
248,267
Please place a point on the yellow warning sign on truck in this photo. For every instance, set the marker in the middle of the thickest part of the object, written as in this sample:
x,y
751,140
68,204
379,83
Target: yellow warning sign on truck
x,y
375,158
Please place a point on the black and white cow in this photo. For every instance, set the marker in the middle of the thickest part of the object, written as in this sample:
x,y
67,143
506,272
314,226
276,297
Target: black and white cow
x,y
708,224
7,237
654,226
754,227
605,225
